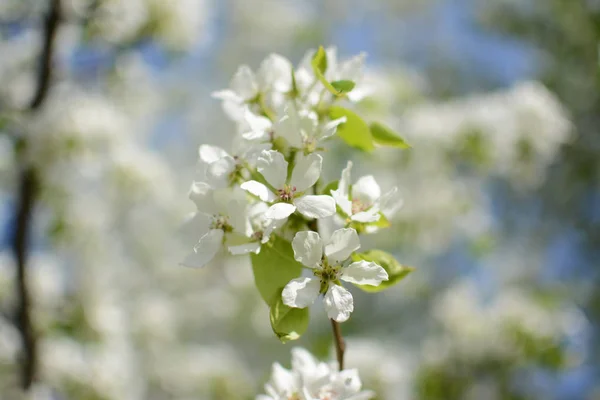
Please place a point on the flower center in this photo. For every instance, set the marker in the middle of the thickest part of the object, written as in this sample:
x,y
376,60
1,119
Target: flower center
x,y
236,175
310,144
287,193
358,206
257,236
221,222
327,273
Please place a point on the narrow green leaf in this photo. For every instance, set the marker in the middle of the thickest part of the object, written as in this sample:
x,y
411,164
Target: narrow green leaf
x,y
288,323
355,132
319,65
395,270
294,92
343,86
385,136
273,268
319,60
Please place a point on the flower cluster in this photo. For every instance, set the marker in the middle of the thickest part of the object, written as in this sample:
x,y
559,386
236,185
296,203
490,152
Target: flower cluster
x,y
265,198
268,185
310,379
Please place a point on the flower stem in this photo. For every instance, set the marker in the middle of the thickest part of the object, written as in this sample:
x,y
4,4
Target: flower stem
x,y
340,344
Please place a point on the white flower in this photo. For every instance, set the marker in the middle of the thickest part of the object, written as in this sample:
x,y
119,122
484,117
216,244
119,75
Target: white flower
x,y
273,80
363,202
222,169
289,195
242,89
326,261
255,127
351,69
310,379
220,212
302,130
260,233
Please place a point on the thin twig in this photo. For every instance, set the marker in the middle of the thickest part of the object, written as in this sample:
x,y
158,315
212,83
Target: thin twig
x,y
27,197
340,344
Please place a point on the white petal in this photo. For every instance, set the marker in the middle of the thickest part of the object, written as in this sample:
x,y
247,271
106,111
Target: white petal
x,y
194,227
288,128
306,172
280,211
259,190
308,248
201,193
341,245
344,184
258,126
302,360
244,83
234,109
343,201
205,250
366,190
352,69
272,165
246,248
276,72
283,380
332,64
346,383
364,273
227,95
218,172
330,128
315,206
390,203
371,215
338,303
301,292
250,151
210,154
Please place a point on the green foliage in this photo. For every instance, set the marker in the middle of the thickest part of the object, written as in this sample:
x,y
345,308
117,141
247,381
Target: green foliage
x,y
273,268
294,92
355,132
386,137
343,86
329,187
319,65
319,61
361,227
288,323
395,270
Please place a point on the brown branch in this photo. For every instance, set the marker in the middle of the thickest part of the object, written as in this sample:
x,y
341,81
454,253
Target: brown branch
x,y
27,196
45,69
340,344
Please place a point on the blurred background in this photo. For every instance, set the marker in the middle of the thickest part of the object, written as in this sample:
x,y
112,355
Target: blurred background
x,y
501,190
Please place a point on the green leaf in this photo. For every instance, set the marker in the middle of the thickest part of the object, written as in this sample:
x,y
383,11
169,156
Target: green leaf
x,y
273,268
395,270
381,223
385,136
319,65
330,186
343,86
294,92
319,60
355,132
288,323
